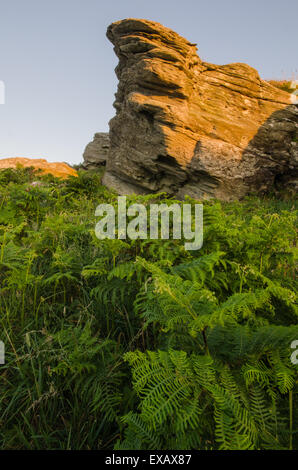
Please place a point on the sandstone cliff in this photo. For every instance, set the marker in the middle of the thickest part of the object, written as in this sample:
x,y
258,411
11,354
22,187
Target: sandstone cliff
x,y
61,170
189,127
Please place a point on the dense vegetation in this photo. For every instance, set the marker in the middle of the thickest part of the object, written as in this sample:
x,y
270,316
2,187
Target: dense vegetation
x,y
141,344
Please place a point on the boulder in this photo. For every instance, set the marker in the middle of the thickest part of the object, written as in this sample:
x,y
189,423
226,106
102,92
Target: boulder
x,y
61,170
96,152
186,126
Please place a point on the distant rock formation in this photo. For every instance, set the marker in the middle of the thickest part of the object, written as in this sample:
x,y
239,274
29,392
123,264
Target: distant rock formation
x,y
96,152
61,170
189,127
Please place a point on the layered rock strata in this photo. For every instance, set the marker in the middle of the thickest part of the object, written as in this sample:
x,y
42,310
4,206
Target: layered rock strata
x,y
189,127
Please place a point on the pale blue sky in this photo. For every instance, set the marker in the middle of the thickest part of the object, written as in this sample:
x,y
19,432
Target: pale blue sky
x,y
58,66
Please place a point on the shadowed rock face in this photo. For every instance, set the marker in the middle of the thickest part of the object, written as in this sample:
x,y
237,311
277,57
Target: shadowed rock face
x,y
96,152
189,127
61,170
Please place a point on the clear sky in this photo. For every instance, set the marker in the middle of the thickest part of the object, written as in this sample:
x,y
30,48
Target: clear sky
x,y
58,66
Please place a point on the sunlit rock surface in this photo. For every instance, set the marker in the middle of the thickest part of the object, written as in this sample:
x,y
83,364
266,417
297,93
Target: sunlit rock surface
x,y
61,170
189,127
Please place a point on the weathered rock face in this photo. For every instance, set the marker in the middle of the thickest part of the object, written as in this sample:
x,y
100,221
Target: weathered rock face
x,y
96,152
189,127
61,170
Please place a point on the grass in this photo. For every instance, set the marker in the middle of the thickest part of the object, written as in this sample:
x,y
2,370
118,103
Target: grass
x,y
73,308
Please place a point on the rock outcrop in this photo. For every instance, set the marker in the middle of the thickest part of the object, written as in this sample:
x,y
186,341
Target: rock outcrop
x,y
189,127
61,170
96,152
